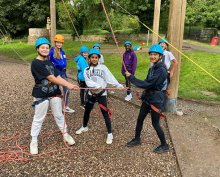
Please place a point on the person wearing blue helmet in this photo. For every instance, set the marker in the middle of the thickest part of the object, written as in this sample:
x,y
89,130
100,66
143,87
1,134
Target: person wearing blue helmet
x,y
82,63
46,92
98,46
130,61
168,58
97,77
153,97
58,57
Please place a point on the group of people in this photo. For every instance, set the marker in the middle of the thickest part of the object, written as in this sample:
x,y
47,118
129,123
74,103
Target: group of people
x,y
49,72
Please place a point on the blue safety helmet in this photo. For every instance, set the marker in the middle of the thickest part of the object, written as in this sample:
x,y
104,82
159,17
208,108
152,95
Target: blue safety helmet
x,y
163,40
96,45
136,47
84,49
41,41
127,42
94,51
156,48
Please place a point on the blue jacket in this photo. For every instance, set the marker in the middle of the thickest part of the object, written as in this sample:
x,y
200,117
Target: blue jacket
x,y
60,64
81,65
155,85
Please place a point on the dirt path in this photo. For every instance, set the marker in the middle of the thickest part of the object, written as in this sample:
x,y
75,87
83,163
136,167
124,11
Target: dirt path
x,y
195,137
195,140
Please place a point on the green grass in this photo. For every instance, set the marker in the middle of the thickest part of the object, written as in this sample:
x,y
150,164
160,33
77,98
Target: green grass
x,y
204,44
194,83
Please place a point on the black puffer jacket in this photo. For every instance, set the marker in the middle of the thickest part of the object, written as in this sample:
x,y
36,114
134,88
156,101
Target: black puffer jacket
x,y
155,85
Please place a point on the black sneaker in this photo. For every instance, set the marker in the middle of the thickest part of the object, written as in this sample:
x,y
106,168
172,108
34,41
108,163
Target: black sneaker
x,y
134,142
161,149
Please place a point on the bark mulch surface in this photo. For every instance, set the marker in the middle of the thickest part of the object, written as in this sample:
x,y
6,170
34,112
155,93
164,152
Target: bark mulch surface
x,y
90,156
193,137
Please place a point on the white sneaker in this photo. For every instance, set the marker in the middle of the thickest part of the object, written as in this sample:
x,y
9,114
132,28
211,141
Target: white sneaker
x,y
34,147
109,138
128,97
82,106
69,110
81,130
67,138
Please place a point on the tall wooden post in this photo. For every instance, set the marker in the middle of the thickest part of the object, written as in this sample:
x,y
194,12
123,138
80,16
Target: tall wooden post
x,y
53,20
175,37
156,20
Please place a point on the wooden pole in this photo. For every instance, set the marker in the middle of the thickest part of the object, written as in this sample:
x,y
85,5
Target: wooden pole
x,y
175,37
156,23
53,20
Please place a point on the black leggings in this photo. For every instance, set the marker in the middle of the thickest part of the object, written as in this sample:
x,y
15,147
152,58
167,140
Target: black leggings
x,y
89,106
128,84
83,92
155,118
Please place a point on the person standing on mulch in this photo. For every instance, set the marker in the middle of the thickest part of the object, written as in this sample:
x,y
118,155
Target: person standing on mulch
x,y
46,92
81,65
154,94
98,76
130,61
58,57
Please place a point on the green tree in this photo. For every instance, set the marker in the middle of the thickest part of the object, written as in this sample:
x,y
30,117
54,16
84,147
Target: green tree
x,y
90,15
203,12
16,17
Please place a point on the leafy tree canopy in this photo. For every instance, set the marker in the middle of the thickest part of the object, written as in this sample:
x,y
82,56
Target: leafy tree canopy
x,y
203,12
17,16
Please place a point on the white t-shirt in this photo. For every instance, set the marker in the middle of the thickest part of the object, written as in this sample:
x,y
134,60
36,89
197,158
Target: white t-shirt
x,y
101,59
98,77
168,58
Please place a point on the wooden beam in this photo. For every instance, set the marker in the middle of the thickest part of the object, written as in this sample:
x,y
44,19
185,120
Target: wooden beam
x,y
53,20
156,22
175,37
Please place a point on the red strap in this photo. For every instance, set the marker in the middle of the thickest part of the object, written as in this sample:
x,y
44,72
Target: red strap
x,y
162,115
168,92
106,109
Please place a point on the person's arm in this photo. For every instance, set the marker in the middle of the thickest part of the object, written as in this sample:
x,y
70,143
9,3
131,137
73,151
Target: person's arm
x,y
110,79
173,67
134,64
123,67
149,82
60,81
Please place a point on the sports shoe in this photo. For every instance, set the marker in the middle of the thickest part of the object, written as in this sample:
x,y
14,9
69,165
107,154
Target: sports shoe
x,y
109,138
34,147
81,130
67,138
69,110
134,142
161,149
128,97
82,106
